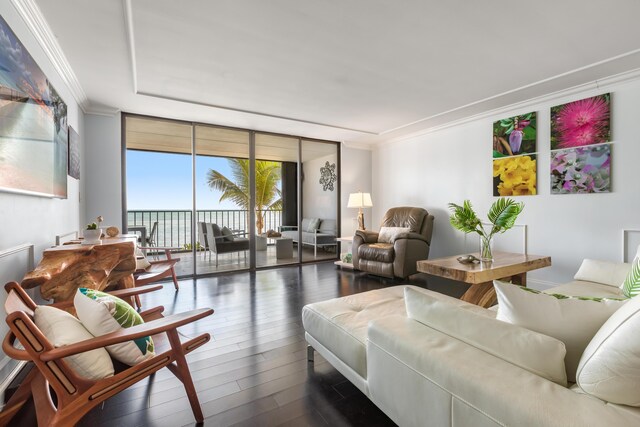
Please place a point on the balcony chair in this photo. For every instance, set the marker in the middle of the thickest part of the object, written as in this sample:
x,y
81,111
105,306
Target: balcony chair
x,y
395,256
222,244
76,395
152,239
202,238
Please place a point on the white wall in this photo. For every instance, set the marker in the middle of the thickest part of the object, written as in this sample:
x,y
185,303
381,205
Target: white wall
x,y
103,161
317,203
355,176
455,163
30,219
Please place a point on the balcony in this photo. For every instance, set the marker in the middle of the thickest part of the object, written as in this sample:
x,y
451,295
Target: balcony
x,y
174,229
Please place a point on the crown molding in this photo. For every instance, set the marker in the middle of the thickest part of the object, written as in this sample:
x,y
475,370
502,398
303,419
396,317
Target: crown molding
x,y
596,85
519,89
101,111
358,145
33,18
128,24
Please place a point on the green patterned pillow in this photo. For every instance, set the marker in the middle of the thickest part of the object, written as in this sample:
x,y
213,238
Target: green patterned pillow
x,y
102,314
562,296
631,285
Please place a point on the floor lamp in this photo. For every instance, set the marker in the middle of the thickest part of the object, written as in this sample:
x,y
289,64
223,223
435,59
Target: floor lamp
x,y
360,200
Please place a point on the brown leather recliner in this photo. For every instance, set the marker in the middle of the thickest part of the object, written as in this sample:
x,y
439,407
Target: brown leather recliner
x,y
397,257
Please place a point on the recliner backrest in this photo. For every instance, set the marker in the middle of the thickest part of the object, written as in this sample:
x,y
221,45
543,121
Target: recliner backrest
x,y
417,219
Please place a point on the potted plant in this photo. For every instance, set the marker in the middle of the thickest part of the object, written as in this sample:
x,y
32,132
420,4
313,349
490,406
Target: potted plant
x,y
502,216
92,233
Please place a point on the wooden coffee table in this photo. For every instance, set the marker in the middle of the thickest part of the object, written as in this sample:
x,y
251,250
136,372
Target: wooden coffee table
x,y
505,266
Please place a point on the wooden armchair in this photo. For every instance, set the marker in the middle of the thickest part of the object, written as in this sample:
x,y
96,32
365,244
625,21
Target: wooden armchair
x,y
158,269
77,395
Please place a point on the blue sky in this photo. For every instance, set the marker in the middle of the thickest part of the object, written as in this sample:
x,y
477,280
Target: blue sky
x,y
162,181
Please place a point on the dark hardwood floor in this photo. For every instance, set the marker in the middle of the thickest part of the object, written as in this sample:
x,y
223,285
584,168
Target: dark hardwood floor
x,y
254,371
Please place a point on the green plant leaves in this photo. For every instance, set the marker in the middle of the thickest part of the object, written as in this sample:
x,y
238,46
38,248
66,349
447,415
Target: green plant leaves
x,y
631,285
464,218
503,214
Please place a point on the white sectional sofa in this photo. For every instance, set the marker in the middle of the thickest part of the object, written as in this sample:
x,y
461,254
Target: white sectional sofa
x,y
454,364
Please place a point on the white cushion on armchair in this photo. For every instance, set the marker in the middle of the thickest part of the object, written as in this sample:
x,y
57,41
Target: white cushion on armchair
x,y
535,352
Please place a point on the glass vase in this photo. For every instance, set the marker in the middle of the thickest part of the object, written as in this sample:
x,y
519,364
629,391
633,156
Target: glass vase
x,y
486,248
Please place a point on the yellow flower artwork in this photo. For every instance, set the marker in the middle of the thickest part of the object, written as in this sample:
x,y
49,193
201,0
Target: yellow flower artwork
x,y
514,176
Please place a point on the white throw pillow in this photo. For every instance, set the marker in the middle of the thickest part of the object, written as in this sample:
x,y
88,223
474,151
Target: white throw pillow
x,y
572,320
610,366
61,328
534,352
387,234
102,314
603,272
314,223
141,261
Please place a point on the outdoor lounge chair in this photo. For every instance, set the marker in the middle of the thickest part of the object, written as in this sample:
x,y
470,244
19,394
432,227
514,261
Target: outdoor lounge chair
x,y
220,244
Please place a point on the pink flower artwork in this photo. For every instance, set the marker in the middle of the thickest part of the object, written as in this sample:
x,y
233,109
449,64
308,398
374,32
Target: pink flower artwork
x,y
580,123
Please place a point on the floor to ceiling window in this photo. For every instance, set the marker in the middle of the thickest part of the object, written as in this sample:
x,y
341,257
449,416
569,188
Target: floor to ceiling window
x,y
229,199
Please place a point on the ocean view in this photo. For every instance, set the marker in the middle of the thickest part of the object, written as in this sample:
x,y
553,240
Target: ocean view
x,y
174,226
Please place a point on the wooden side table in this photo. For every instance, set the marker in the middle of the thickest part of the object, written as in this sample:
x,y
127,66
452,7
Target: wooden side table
x,y
505,266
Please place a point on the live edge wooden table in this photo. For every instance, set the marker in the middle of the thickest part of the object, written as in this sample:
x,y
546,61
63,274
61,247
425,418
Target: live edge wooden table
x,y
63,269
505,266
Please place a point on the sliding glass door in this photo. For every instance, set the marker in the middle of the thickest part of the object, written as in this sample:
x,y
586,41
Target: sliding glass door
x,y
229,199
159,200
276,195
222,199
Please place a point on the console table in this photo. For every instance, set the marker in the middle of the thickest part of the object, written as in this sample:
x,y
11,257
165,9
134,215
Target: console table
x,y
63,269
505,266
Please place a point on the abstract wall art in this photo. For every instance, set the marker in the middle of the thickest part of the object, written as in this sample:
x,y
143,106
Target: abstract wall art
x,y
328,176
515,135
581,170
74,153
33,124
515,176
582,122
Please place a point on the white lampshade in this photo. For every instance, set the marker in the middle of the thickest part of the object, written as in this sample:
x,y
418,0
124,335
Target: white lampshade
x,y
359,200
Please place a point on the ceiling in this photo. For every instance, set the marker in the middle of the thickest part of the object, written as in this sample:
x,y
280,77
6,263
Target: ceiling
x,y
360,71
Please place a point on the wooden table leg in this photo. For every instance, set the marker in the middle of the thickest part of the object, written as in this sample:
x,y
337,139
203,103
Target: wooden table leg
x,y
482,294
520,279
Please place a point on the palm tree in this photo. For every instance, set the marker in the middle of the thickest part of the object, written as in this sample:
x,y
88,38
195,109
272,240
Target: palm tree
x,y
268,196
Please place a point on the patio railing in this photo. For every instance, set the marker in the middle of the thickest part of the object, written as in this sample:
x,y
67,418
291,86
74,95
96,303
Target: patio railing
x,y
174,226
